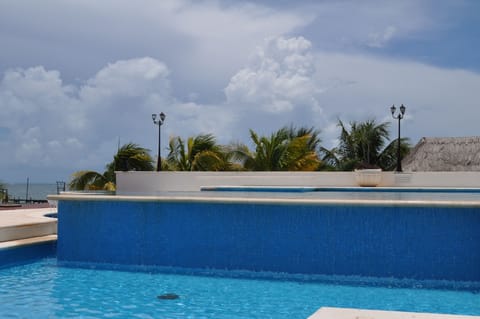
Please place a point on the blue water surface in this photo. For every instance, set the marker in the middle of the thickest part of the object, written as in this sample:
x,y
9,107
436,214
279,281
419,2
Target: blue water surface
x,y
44,289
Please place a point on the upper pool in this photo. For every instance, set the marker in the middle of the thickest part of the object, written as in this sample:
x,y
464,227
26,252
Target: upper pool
x,y
344,193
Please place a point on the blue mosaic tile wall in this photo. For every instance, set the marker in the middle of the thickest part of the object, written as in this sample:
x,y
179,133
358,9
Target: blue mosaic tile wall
x,y
27,253
401,242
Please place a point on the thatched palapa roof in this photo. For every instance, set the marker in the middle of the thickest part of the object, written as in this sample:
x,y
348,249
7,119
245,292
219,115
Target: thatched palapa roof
x,y
444,154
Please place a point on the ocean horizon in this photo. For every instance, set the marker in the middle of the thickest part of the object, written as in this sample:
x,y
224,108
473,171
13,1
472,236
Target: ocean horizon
x,y
36,191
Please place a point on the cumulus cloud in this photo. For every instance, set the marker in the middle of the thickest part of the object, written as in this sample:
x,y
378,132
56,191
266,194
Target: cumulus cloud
x,y
29,98
277,87
278,77
51,125
197,39
136,77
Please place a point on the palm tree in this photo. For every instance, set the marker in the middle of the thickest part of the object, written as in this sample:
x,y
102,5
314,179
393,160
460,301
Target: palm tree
x,y
364,145
199,153
330,160
129,157
2,194
288,149
90,180
388,158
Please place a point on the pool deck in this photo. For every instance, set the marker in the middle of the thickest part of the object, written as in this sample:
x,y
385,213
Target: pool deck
x,y
26,226
346,313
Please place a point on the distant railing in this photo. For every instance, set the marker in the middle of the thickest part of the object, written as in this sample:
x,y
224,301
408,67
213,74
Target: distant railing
x,y
6,199
61,186
14,200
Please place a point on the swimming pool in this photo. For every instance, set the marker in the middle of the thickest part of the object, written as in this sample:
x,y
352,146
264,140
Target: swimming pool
x,y
321,243
47,289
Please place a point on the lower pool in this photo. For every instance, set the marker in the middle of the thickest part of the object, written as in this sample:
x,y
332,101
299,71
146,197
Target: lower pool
x,y
47,289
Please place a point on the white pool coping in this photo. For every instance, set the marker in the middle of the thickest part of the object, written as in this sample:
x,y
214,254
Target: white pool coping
x,y
28,241
348,313
17,224
266,200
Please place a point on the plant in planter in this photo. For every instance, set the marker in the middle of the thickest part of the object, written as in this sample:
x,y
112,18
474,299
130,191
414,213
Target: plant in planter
x,y
368,175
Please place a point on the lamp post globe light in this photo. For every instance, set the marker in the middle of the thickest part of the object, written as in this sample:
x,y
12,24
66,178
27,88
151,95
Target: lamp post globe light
x,y
399,116
159,122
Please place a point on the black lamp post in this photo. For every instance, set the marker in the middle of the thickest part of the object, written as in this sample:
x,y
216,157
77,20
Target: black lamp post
x,y
399,117
159,122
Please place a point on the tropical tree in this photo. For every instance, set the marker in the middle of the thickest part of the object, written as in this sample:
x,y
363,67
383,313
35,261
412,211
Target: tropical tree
x,y
365,144
129,157
90,180
288,149
197,153
2,194
388,157
330,159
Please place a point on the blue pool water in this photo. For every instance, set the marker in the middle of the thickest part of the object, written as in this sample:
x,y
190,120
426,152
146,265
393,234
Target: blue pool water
x,y
44,289
314,253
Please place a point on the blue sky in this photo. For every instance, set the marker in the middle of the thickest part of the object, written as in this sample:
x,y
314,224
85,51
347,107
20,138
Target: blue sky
x,y
77,76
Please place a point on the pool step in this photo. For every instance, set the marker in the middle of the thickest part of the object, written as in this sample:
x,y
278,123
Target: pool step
x,y
347,313
27,223
28,241
27,231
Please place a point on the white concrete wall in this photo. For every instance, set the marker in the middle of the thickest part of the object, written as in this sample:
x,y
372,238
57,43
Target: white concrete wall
x,y
150,183
432,179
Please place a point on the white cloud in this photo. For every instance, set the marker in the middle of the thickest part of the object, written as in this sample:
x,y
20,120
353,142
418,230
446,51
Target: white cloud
x,y
203,42
132,78
379,40
57,126
277,79
440,102
36,107
188,119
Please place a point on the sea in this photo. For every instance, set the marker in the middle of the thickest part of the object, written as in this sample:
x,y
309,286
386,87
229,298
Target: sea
x,y
36,191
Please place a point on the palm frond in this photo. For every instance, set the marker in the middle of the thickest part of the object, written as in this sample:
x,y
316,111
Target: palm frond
x,y
87,180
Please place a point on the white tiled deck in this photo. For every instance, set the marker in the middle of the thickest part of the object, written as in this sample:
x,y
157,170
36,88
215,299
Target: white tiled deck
x,y
346,313
21,224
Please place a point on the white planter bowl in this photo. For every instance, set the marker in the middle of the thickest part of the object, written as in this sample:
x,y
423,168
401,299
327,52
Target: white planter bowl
x,y
368,177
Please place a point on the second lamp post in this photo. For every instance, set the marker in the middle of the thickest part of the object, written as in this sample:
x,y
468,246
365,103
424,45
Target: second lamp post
x,y
399,117
159,122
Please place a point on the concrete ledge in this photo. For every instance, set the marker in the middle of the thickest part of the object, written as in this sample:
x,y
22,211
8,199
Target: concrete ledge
x,y
264,199
346,313
153,183
28,241
26,223
27,231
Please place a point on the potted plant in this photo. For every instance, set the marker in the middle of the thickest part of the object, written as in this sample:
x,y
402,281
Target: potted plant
x,y
368,175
